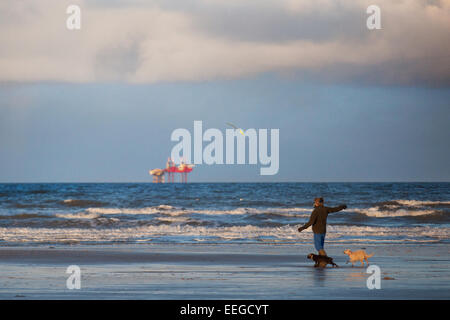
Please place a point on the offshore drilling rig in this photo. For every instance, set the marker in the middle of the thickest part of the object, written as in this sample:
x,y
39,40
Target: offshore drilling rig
x,y
170,170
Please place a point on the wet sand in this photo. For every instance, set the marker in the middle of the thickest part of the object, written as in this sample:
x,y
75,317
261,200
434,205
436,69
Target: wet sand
x,y
232,271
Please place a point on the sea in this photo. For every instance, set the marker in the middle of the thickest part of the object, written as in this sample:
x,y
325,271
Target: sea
x,y
113,213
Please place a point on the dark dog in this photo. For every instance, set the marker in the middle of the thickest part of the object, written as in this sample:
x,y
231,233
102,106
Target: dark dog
x,y
321,261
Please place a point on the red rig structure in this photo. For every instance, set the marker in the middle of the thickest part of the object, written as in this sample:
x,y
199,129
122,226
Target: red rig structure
x,y
171,168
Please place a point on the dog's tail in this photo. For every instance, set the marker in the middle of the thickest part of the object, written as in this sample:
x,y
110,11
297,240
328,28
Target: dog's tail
x,y
369,255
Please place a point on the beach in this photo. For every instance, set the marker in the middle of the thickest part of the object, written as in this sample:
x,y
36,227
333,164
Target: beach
x,y
233,271
224,150
221,241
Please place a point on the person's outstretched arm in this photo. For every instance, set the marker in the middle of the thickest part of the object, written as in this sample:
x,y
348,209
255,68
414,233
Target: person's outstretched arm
x,y
311,221
336,209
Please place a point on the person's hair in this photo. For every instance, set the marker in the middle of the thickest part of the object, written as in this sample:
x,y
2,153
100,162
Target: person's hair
x,y
320,200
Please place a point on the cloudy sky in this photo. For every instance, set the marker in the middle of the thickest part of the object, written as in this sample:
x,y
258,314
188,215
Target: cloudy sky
x,y
99,104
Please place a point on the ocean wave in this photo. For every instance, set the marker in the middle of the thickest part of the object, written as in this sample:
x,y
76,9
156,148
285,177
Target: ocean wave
x,y
172,219
82,203
244,211
413,203
79,215
174,211
105,211
405,208
165,207
379,213
177,233
419,203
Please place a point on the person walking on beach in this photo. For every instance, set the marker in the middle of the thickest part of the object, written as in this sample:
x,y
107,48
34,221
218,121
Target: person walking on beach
x,y
318,221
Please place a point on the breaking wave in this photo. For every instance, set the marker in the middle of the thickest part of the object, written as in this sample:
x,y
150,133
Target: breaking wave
x,y
173,211
378,213
80,215
404,208
417,203
170,233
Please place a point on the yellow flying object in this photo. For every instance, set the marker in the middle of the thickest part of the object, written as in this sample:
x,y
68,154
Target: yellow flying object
x,y
240,130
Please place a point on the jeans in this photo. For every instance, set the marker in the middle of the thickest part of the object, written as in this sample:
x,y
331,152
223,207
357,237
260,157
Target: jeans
x,y
319,240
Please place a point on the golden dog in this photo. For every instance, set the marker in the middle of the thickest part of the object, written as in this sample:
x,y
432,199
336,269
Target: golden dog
x,y
359,255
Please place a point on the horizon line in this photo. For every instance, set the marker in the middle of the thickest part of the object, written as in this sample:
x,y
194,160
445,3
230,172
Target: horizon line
x,y
150,182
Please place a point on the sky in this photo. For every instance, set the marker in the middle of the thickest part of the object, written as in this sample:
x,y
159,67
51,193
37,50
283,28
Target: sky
x,y
99,104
